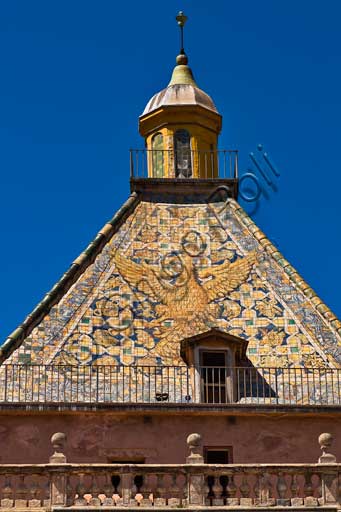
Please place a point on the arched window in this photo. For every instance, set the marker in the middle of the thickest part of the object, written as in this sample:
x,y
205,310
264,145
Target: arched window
x,y
183,160
157,156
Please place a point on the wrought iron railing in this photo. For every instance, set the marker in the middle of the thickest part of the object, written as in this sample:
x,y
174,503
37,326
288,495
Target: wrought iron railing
x,y
164,163
169,384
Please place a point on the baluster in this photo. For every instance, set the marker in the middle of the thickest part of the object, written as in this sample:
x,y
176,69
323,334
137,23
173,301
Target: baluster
x,y
32,488
296,501
308,487
94,490
21,493
282,488
108,491
101,481
146,491
263,492
174,499
7,493
160,500
271,500
46,493
231,490
244,487
136,489
117,493
35,493
309,499
70,494
183,490
88,487
256,490
99,484
223,481
152,483
294,486
207,491
318,491
81,491
145,486
245,490
217,491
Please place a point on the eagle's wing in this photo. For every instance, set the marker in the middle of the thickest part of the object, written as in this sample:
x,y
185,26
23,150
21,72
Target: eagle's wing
x,y
227,276
141,276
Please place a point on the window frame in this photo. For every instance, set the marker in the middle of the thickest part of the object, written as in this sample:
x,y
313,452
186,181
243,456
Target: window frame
x,y
189,149
228,449
155,153
224,386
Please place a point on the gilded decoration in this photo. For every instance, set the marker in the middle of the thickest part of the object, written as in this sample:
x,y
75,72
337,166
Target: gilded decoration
x,y
185,294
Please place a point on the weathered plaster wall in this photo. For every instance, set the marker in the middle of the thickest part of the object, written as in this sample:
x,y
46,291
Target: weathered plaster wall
x,y
105,436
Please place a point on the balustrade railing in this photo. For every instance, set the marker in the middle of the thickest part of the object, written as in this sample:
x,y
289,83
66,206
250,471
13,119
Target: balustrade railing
x,y
183,164
176,485
25,486
59,485
169,384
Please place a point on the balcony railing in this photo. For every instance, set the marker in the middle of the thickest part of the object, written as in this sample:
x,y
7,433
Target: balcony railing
x,y
169,384
182,164
47,487
60,485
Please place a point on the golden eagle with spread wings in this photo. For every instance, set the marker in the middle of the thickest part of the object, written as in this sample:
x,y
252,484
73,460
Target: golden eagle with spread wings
x,y
183,292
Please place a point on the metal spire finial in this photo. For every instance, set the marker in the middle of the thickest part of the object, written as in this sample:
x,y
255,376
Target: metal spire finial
x,y
181,19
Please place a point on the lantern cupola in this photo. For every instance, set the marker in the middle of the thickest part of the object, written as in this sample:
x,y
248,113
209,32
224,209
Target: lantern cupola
x,y
180,125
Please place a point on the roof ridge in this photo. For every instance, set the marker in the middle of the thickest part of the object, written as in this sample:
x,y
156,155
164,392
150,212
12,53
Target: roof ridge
x,y
77,267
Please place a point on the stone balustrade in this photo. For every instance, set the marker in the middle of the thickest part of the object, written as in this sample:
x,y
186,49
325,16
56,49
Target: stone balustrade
x,y
59,484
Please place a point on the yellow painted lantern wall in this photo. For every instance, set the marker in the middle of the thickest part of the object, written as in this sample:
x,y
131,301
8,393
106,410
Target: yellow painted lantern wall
x,y
166,156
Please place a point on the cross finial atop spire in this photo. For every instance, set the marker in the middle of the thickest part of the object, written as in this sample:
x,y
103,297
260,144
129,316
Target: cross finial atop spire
x,y
181,19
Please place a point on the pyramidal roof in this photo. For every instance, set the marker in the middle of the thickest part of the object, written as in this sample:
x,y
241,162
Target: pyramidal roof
x,y
164,269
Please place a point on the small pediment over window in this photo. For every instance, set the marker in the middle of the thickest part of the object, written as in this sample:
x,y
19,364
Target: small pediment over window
x,y
216,340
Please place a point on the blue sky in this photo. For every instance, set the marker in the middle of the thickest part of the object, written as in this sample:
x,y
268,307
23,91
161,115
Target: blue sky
x,y
76,75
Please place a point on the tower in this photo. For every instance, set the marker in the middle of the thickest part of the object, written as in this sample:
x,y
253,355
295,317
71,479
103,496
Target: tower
x,y
181,125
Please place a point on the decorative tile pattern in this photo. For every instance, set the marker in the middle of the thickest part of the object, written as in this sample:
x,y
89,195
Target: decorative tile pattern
x,y
105,319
